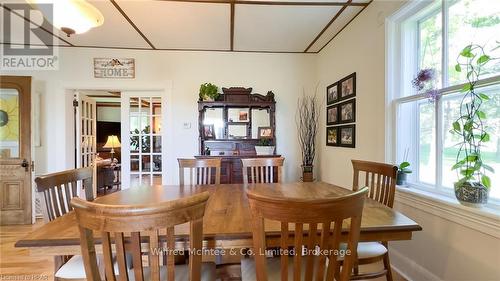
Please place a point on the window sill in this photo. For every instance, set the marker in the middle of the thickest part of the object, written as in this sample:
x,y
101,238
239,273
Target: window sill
x,y
485,220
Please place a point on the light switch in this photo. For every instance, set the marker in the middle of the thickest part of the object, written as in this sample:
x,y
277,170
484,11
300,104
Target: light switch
x,y
187,125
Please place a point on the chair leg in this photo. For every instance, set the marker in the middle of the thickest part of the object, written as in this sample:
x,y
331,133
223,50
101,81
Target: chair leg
x,y
387,263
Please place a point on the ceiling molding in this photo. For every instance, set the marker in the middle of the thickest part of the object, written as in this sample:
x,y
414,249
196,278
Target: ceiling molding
x,y
43,28
349,22
273,3
327,26
232,26
132,23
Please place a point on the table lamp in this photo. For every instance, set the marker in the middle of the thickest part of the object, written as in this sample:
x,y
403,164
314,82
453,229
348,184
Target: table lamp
x,y
112,142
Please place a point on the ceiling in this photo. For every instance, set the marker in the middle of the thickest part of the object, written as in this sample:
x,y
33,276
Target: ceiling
x,y
277,26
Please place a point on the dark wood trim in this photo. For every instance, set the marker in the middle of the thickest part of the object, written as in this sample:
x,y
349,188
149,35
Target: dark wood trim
x,y
232,26
266,2
349,22
98,96
327,26
43,28
166,49
131,23
108,104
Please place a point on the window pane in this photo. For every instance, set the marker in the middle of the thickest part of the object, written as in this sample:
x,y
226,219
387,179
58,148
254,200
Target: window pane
x,y
476,21
490,150
426,143
430,44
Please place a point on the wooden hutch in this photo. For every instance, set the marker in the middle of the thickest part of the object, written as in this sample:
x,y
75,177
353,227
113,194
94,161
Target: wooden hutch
x,y
228,128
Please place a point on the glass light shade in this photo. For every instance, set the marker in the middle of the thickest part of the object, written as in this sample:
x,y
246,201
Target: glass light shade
x,y
73,15
112,142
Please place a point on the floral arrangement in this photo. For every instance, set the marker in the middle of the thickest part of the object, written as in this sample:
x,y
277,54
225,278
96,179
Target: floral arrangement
x,y
425,83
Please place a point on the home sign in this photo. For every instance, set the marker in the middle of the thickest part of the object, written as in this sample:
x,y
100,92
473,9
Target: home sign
x,y
114,68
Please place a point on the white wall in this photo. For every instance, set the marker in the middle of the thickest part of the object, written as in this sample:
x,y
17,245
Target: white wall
x,y
444,250
285,74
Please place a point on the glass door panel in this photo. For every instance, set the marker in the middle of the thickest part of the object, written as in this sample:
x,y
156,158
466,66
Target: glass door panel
x,y
9,123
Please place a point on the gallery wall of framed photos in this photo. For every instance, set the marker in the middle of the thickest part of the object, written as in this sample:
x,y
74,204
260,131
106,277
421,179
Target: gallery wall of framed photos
x,y
341,112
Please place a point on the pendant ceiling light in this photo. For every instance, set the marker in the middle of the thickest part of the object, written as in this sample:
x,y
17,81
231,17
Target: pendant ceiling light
x,y
70,16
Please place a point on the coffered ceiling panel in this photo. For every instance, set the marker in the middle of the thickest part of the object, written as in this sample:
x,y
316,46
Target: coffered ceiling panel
x,y
342,20
115,31
181,25
279,28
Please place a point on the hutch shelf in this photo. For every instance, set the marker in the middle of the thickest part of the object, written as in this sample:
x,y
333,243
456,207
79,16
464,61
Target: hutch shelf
x,y
229,128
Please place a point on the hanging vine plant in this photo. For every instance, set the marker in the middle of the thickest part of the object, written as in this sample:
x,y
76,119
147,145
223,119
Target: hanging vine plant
x,y
473,185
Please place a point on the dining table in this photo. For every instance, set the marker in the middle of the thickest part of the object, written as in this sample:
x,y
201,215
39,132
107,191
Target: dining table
x,y
227,220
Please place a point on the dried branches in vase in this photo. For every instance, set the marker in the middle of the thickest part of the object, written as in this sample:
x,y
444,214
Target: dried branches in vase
x,y
307,119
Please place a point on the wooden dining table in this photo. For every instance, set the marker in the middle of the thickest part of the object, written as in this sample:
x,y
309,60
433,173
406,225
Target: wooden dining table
x,y
227,220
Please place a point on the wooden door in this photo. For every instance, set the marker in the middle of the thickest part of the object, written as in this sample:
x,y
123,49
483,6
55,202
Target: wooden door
x,y
15,150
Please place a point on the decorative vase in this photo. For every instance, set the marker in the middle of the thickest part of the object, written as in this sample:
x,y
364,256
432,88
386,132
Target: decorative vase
x,y
307,173
401,178
264,150
472,194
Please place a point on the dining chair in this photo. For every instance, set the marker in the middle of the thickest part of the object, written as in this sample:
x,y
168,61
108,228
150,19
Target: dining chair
x,y
308,218
263,170
56,191
381,180
201,171
114,223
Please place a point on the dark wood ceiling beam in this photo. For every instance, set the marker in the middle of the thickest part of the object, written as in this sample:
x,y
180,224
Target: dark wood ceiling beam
x,y
43,28
327,26
272,3
132,23
349,22
232,26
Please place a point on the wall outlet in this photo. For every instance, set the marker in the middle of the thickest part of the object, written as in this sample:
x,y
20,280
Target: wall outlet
x,y
186,125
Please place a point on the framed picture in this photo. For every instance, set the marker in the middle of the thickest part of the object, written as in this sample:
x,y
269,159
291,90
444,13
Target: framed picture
x,y
243,116
332,93
347,135
347,111
347,87
332,136
208,132
332,115
265,133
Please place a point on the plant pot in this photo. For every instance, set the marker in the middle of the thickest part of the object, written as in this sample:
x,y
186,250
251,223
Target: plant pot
x,y
307,173
472,194
264,150
401,178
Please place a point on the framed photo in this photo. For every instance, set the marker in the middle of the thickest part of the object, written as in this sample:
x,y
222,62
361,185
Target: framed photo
x,y
347,135
208,132
347,87
347,111
332,93
332,115
243,116
332,136
265,133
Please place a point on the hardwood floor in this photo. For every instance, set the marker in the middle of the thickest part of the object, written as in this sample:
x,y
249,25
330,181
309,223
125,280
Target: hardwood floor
x,y
18,262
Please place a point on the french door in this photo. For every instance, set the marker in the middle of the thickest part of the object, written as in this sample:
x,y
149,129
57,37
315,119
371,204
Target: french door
x,y
143,145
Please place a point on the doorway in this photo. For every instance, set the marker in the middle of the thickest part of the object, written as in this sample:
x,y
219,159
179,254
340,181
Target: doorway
x,y
15,150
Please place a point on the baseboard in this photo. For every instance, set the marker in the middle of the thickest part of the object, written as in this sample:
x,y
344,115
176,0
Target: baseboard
x,y
409,269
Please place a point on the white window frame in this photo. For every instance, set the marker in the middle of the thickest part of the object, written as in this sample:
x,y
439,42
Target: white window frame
x,y
401,66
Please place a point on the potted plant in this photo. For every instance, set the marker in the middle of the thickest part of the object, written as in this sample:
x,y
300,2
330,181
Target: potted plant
x,y
473,185
307,125
403,171
208,92
265,147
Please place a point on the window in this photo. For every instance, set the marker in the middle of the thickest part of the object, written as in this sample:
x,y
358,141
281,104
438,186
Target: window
x,y
432,36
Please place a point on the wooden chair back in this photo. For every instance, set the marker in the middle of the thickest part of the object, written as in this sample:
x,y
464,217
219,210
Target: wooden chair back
x,y
379,177
314,214
201,171
144,223
59,188
263,170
